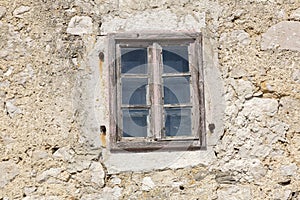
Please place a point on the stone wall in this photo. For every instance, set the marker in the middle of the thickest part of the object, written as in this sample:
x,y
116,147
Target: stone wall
x,y
49,143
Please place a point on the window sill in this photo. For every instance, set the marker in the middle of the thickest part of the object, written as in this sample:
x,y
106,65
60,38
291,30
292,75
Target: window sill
x,y
156,160
164,145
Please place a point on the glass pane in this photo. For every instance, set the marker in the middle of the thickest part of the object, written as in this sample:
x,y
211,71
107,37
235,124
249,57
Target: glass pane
x,y
178,122
135,122
175,59
176,90
134,60
134,91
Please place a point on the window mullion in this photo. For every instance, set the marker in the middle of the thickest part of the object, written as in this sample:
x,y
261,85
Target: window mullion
x,y
156,93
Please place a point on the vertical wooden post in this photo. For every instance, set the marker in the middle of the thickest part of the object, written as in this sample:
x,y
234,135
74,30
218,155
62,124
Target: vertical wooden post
x,y
157,91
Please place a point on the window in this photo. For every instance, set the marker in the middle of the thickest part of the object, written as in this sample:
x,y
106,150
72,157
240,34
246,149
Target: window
x,y
156,92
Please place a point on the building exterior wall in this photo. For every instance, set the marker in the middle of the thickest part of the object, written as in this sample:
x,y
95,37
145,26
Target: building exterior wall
x,y
54,95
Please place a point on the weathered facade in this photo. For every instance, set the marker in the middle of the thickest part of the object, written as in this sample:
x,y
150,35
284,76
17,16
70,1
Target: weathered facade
x,y
54,93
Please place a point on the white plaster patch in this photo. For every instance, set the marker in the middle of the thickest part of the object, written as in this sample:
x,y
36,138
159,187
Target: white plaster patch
x,y
122,162
154,20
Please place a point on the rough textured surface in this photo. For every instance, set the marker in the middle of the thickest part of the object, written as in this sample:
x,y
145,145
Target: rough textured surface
x,y
284,35
154,21
80,25
51,86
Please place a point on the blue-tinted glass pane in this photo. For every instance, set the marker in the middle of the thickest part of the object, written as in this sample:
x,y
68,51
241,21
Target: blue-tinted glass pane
x,y
176,90
134,91
135,122
175,59
134,60
178,122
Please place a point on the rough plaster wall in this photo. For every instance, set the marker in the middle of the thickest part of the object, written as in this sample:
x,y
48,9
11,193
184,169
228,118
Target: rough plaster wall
x,y
44,148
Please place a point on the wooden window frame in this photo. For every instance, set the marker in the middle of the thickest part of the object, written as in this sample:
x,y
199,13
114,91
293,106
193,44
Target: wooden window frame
x,y
116,142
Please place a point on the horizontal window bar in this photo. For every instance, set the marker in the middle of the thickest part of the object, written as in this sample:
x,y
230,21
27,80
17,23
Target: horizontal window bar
x,y
179,138
136,44
136,106
175,74
178,105
134,75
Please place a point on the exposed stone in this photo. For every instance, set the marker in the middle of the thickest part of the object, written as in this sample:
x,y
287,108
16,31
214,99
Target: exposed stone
x,y
2,12
39,154
261,151
256,107
244,89
4,84
257,170
29,190
80,25
9,71
11,109
296,75
116,181
117,191
225,178
289,170
92,196
106,193
201,175
279,129
53,172
254,168
290,107
281,14
147,184
295,14
266,87
26,74
239,37
21,10
238,72
242,37
284,35
282,194
163,178
9,170
42,197
64,153
97,173
234,193
79,165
